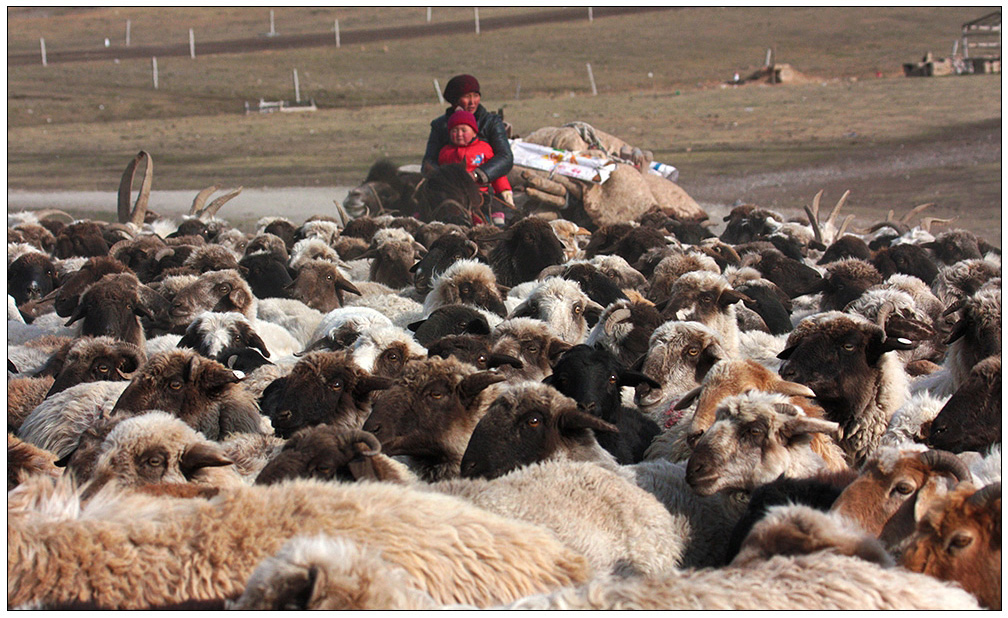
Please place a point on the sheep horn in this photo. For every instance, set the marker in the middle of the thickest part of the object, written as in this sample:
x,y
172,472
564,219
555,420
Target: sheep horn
x,y
983,496
200,199
215,205
843,226
365,443
126,187
883,315
815,225
815,206
831,220
615,318
944,461
48,212
926,222
905,219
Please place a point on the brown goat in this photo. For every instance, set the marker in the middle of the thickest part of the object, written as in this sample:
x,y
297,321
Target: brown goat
x,y
884,497
200,391
958,538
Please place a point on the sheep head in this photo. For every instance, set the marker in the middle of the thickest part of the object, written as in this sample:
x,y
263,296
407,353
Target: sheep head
x,y
320,285
220,291
113,306
328,453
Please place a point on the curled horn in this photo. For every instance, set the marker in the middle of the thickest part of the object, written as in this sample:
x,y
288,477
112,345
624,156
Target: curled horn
x,y
200,199
365,442
983,496
136,217
214,206
49,212
615,318
883,315
944,461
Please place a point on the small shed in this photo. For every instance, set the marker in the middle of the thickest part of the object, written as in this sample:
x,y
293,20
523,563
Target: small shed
x,y
981,43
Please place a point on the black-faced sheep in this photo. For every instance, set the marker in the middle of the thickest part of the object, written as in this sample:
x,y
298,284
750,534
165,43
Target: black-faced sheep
x,y
625,326
472,349
594,378
200,391
428,413
790,275
67,296
971,419
267,274
844,359
442,253
526,248
30,277
323,387
448,320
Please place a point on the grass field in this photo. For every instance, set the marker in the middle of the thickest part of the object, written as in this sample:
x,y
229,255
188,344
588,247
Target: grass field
x,y
659,75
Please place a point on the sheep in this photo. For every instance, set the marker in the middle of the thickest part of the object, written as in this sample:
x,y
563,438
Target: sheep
x,y
251,452
341,327
67,295
562,306
428,413
756,438
387,188
221,291
964,279
530,422
58,422
971,419
453,319
634,243
466,282
280,227
384,350
210,334
91,359
955,246
23,396
270,244
169,550
401,310
844,359
679,356
327,453
625,326
200,391
594,378
31,277
673,266
528,246
267,274
146,255
890,485
530,341
572,236
113,306
592,281
617,526
33,234
617,268
898,314
157,447
323,228
311,249
83,238
320,285
790,275
298,320
441,253
844,247
325,573
472,349
958,539
846,280
821,581
323,387
977,334
25,460
768,301
709,299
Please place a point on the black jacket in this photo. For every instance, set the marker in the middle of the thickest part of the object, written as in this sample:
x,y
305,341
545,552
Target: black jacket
x,y
491,130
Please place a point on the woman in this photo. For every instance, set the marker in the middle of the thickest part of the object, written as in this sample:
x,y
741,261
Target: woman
x,y
463,92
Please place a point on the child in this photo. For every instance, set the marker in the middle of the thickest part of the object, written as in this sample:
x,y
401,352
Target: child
x,y
465,147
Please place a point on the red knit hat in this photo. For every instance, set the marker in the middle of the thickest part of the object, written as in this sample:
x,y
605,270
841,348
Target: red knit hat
x,y
458,86
462,117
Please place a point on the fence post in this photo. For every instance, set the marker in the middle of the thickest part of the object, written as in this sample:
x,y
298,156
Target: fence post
x,y
476,15
437,89
127,33
336,28
272,31
591,78
154,70
297,88
42,44
428,14
192,44
590,16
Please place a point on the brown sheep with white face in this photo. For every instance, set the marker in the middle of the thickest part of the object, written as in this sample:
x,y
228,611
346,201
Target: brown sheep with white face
x,y
202,392
679,356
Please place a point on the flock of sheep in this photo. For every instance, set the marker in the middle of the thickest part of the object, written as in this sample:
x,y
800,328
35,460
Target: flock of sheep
x,y
386,413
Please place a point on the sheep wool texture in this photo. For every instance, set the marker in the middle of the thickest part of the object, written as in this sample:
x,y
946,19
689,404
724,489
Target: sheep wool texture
x,y
130,551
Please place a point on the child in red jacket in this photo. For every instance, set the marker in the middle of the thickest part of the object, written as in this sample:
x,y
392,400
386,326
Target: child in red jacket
x,y
467,148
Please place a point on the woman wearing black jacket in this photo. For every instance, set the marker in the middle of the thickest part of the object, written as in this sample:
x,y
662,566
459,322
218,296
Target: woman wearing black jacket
x,y
463,91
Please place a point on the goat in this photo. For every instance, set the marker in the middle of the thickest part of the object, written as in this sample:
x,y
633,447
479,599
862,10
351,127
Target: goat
x,y
323,387
428,413
958,539
594,377
756,438
200,391
844,359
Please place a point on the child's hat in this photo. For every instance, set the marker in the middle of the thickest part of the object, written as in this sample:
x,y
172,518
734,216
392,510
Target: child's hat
x,y
462,117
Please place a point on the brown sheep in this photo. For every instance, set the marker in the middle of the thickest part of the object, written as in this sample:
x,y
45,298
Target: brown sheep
x,y
320,285
530,341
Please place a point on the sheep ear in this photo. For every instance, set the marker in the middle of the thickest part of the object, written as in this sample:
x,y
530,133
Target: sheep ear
x,y
370,253
255,341
877,347
524,310
592,312
239,297
473,384
346,286
153,302
688,399
211,375
414,326
477,326
189,340
798,428
729,297
202,455
574,420
793,389
77,314
629,377
496,360
786,353
371,383
503,289
933,488
556,348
